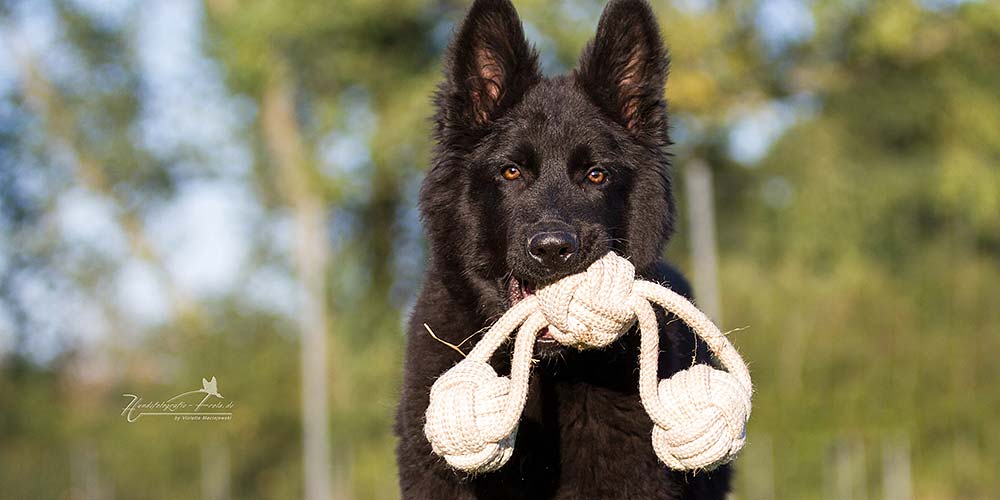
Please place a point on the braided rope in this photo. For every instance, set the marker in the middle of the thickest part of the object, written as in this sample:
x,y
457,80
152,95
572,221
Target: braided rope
x,y
699,414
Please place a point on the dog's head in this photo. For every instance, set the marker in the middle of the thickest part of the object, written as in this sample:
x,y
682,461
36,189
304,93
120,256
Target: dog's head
x,y
535,178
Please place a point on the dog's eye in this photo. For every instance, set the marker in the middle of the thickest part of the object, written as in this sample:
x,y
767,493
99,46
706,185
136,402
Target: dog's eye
x,y
597,175
511,172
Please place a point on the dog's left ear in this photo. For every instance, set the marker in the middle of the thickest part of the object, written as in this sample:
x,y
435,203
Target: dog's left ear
x,y
490,64
624,69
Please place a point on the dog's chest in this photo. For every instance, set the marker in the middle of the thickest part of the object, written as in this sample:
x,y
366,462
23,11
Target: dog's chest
x,y
582,441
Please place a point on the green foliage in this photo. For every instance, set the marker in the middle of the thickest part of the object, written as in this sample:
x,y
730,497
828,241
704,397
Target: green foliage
x,y
860,251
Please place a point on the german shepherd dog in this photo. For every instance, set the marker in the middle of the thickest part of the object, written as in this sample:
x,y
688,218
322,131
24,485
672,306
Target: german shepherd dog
x,y
533,179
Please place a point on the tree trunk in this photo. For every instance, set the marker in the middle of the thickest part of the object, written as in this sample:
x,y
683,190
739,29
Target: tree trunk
x,y
311,254
701,210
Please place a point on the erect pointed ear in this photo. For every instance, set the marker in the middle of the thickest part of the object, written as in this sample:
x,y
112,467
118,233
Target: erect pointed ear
x,y
624,69
490,65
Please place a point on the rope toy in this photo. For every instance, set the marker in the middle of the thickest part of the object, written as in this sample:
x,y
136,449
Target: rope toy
x,y
699,414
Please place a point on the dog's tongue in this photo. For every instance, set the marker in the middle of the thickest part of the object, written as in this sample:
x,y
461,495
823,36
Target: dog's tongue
x,y
519,291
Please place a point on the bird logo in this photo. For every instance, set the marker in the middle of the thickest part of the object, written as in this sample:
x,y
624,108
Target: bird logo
x,y
208,387
211,388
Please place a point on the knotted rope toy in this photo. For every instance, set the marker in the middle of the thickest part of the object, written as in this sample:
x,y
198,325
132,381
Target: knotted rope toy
x,y
699,414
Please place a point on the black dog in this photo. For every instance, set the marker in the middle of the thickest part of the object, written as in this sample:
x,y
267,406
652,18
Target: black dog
x,y
533,179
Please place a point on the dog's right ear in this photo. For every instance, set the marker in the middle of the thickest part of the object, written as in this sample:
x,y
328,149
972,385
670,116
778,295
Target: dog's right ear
x,y
490,65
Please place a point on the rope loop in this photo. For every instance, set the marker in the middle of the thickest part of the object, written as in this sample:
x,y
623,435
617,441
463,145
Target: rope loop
x,y
699,414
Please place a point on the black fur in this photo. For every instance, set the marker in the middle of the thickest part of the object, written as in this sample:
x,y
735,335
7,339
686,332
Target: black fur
x,y
584,433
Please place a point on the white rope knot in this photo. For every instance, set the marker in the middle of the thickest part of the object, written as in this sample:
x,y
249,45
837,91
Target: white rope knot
x,y
699,414
467,403
590,309
708,411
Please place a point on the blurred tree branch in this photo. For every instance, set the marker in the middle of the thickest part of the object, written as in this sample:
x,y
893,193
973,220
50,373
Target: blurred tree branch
x,y
47,103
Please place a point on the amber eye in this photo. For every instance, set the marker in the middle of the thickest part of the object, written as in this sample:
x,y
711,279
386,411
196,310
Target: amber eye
x,y
597,176
511,172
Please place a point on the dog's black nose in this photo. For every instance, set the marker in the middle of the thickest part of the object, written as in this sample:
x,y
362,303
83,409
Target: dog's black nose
x,y
553,249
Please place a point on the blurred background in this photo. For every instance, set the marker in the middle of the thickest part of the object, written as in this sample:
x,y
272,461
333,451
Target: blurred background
x,y
228,188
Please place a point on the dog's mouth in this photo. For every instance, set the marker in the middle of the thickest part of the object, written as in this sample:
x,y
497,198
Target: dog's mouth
x,y
519,290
